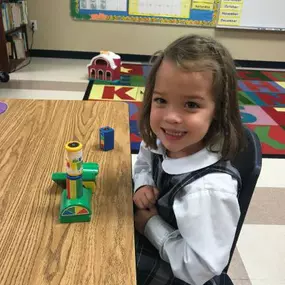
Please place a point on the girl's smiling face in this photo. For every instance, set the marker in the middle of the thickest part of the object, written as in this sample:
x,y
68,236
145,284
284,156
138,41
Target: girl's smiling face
x,y
182,108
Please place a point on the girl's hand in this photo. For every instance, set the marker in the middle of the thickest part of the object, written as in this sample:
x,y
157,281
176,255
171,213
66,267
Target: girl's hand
x,y
145,197
142,217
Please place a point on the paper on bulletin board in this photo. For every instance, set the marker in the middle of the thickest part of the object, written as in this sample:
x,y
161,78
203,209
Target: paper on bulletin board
x,y
204,1
168,12
103,5
203,5
161,8
231,1
230,12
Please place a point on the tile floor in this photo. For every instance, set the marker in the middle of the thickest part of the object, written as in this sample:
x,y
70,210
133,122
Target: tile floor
x,y
260,255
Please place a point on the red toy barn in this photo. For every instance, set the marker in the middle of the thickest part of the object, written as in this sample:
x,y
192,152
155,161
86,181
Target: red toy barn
x,y
105,66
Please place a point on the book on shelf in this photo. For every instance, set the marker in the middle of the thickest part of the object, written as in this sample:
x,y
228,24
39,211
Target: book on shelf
x,y
16,46
14,14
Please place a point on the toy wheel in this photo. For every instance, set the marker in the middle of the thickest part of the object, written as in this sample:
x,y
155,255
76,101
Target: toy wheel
x,y
4,77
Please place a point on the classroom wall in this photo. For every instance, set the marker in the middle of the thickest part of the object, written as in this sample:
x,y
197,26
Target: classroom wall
x,y
58,31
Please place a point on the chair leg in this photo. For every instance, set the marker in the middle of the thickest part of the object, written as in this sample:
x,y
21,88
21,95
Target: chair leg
x,y
4,77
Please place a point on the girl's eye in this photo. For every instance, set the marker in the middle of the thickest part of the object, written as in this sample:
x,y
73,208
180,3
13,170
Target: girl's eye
x,y
159,100
192,105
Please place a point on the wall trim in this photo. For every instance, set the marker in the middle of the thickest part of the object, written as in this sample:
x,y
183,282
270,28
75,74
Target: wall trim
x,y
145,58
83,55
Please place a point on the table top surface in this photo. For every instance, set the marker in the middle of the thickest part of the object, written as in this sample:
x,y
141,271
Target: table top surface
x,y
34,247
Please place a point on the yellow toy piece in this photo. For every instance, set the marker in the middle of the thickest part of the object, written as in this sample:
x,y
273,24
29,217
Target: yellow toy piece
x,y
90,185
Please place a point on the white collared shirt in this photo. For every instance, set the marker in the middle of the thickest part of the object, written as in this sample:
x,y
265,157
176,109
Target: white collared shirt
x,y
207,214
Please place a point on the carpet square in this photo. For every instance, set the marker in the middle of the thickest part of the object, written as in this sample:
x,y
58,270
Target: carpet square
x,y
261,98
281,83
117,93
255,115
275,75
137,80
271,99
272,139
250,98
132,69
277,114
146,70
260,86
134,110
252,75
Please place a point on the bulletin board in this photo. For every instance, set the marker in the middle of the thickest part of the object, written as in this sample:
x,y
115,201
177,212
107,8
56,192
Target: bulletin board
x,y
171,12
252,14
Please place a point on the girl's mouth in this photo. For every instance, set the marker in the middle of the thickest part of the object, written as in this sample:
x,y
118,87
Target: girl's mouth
x,y
173,135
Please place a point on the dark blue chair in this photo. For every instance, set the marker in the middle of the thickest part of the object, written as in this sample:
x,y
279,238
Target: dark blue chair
x,y
249,164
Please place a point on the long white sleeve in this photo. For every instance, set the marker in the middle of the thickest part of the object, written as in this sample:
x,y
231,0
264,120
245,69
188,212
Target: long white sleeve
x,y
207,214
142,172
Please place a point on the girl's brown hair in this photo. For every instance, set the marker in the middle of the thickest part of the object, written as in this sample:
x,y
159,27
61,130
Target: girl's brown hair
x,y
199,53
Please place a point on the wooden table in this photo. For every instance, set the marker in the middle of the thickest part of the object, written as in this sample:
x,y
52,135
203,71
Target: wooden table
x,y
34,247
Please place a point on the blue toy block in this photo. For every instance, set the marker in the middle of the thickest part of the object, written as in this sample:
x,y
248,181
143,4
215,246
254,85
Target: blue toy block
x,y
107,138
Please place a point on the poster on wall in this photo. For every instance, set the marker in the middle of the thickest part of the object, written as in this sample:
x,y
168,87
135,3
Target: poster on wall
x,y
230,13
261,15
171,12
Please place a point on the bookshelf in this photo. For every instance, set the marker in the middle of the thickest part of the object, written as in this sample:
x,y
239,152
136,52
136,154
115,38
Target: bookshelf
x,y
13,34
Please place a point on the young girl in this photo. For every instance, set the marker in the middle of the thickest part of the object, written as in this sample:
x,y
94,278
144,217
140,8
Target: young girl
x,y
185,187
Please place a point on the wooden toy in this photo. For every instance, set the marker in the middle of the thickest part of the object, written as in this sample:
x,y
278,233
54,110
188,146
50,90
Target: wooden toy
x,y
105,67
78,184
107,138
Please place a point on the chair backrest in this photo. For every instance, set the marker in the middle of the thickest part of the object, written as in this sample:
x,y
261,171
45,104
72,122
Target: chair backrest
x,y
249,164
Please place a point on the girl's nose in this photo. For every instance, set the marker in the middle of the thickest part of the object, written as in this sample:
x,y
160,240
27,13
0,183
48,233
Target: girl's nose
x,y
172,117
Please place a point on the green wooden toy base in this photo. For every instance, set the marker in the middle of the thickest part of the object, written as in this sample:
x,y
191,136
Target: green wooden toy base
x,y
90,172
73,204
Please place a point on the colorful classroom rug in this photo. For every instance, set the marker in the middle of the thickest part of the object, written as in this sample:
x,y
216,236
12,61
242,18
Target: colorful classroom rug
x,y
261,98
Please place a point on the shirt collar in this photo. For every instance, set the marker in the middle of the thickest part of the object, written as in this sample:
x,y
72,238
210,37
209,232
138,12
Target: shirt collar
x,y
198,160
